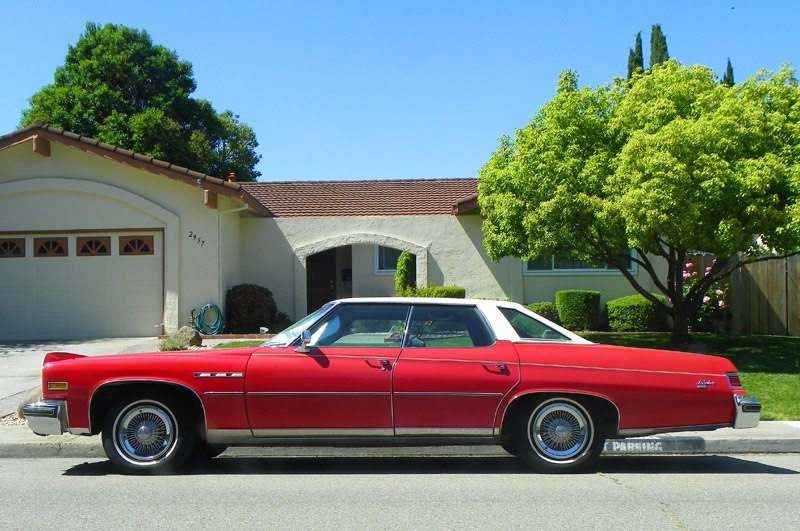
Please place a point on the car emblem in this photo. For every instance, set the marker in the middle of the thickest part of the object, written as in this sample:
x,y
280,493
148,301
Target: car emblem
x,y
705,384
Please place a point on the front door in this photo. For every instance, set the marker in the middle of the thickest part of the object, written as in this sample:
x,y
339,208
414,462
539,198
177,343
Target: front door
x,y
340,387
320,279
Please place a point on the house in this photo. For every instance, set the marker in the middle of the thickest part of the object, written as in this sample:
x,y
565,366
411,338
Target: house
x,y
98,241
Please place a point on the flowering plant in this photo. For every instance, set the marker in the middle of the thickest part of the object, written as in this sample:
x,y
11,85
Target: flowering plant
x,y
713,302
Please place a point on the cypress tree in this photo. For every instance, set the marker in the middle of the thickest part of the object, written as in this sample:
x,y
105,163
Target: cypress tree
x,y
727,78
658,46
635,56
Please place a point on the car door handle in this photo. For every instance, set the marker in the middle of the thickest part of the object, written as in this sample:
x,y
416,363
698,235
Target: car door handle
x,y
383,365
496,367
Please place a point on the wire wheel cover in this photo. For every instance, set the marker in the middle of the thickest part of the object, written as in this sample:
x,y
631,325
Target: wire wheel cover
x,y
145,433
559,431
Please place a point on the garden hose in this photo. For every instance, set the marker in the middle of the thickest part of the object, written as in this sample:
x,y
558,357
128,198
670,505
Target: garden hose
x,y
206,327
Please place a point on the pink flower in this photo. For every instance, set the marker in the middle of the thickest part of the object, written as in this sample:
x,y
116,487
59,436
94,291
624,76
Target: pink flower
x,y
720,293
721,304
686,275
706,299
708,270
689,265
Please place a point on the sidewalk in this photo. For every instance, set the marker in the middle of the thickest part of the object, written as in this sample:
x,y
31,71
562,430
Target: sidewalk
x,y
768,437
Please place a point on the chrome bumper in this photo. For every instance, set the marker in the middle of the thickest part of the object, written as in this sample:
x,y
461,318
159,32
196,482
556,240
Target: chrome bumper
x,y
46,417
748,411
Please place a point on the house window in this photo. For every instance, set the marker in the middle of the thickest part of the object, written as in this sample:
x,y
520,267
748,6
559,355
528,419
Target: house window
x,y
12,248
554,265
135,245
45,247
94,246
386,260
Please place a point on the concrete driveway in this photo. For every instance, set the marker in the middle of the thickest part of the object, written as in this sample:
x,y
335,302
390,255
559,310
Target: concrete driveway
x,y
21,362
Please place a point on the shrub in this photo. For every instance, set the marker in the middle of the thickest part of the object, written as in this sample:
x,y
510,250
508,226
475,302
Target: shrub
x,y
172,344
578,309
450,292
545,309
405,276
634,313
249,307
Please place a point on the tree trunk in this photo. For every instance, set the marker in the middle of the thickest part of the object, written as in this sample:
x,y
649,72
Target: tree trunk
x,y
680,328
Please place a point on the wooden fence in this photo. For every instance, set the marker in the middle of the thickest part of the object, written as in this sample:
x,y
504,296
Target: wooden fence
x,y
764,298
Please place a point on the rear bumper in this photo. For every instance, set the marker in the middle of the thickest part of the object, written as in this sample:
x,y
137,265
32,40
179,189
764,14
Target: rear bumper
x,y
46,417
748,411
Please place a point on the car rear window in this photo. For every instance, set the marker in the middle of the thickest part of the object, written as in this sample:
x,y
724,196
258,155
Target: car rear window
x,y
529,328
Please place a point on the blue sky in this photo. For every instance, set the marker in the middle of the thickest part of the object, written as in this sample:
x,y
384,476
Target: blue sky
x,y
386,90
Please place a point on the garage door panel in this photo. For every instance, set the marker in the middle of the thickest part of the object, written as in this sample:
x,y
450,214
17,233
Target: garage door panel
x,y
73,297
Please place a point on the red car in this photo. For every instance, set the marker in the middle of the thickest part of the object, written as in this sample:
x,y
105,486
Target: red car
x,y
391,371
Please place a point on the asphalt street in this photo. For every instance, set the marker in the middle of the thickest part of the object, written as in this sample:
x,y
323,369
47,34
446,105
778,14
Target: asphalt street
x,y
752,492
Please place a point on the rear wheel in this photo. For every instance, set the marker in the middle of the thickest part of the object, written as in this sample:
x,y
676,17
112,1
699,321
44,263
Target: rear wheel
x,y
148,434
558,435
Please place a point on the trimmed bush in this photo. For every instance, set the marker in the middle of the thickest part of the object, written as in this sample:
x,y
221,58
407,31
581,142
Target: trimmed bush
x,y
449,292
249,307
172,344
578,309
634,313
405,276
545,309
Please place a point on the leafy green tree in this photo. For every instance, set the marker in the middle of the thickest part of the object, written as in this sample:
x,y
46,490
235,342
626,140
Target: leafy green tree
x,y
635,57
669,163
727,78
658,46
118,87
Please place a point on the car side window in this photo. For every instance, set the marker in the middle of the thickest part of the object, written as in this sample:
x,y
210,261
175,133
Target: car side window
x,y
448,327
529,328
361,325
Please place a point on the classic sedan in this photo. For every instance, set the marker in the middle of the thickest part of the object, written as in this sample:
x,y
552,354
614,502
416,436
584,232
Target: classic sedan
x,y
391,371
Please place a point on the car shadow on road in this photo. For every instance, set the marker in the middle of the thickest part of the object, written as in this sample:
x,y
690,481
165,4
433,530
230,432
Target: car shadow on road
x,y
672,464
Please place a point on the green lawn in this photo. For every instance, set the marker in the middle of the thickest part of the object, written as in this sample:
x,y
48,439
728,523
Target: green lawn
x,y
769,366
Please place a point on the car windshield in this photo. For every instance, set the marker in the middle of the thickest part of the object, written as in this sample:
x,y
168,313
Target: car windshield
x,y
287,336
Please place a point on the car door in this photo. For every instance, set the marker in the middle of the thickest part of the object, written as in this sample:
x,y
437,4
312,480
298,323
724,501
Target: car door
x,y
451,375
340,387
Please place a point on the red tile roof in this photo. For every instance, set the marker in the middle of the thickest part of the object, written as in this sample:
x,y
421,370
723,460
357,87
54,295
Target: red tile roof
x,y
366,198
410,197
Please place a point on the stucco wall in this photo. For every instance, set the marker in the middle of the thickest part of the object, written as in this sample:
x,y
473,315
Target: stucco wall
x,y
448,247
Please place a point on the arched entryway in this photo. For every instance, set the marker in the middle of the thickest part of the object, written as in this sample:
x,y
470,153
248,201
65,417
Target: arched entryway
x,y
351,266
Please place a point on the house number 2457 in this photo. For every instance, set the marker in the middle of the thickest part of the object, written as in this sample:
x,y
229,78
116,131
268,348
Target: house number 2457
x,y
197,238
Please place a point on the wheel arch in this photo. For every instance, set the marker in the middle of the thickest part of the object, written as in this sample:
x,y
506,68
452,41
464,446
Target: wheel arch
x,y
107,394
608,410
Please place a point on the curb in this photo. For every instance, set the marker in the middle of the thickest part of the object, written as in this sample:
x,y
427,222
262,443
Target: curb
x,y
770,437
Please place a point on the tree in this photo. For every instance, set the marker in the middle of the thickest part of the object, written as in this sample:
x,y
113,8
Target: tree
x,y
658,46
118,87
666,164
635,57
727,78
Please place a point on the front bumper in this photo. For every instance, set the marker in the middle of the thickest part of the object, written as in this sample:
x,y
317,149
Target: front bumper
x,y
748,411
46,417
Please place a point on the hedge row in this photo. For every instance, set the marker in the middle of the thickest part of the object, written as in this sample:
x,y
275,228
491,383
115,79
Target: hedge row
x,y
580,310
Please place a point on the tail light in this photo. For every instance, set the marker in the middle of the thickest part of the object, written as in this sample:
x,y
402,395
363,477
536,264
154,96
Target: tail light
x,y
734,381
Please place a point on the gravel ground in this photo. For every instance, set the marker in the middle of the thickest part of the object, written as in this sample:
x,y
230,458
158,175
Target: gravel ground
x,y
12,420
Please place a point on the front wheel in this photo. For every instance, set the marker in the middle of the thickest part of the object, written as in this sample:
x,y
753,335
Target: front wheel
x,y
147,435
558,435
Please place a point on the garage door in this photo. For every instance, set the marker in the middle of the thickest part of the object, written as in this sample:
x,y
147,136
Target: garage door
x,y
86,285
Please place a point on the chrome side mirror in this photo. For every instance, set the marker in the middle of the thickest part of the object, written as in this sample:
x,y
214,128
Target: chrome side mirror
x,y
305,340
